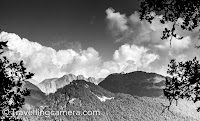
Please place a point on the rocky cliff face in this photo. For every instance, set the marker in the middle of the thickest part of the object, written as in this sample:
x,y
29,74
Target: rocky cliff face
x,y
52,85
48,85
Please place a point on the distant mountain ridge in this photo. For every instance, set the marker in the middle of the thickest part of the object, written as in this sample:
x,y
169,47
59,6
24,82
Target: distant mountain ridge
x,y
137,83
52,85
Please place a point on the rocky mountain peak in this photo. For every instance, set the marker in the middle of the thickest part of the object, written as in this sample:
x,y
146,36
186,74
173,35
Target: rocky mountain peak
x,y
52,85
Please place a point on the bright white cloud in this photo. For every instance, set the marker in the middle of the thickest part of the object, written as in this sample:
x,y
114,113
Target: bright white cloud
x,y
63,56
37,58
131,57
46,62
86,63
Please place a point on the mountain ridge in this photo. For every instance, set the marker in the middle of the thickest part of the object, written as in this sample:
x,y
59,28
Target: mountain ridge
x,y
135,83
36,95
52,85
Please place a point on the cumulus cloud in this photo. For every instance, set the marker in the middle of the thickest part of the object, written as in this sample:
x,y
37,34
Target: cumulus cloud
x,y
143,34
86,63
129,58
37,58
137,31
117,21
46,62
132,57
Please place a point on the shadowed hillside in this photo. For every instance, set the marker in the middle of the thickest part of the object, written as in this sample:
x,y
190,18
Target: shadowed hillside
x,y
136,83
36,95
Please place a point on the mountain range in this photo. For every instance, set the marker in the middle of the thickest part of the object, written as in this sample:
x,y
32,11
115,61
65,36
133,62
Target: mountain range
x,y
141,101
51,85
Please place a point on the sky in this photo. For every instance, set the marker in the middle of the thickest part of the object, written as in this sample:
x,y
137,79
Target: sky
x,y
91,37
63,23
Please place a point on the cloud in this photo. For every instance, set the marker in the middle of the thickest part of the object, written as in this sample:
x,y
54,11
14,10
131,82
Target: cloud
x,y
143,34
131,57
117,22
176,44
46,62
41,60
135,18
136,31
86,63
64,44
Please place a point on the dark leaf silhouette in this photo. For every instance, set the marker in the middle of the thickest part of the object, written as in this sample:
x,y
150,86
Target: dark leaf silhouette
x,y
185,81
12,92
173,11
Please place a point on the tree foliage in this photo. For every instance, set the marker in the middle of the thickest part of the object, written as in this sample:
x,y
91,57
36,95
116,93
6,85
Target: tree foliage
x,y
185,81
12,91
172,11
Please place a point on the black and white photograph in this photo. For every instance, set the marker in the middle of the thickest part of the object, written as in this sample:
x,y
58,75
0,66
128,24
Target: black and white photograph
x,y
100,60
